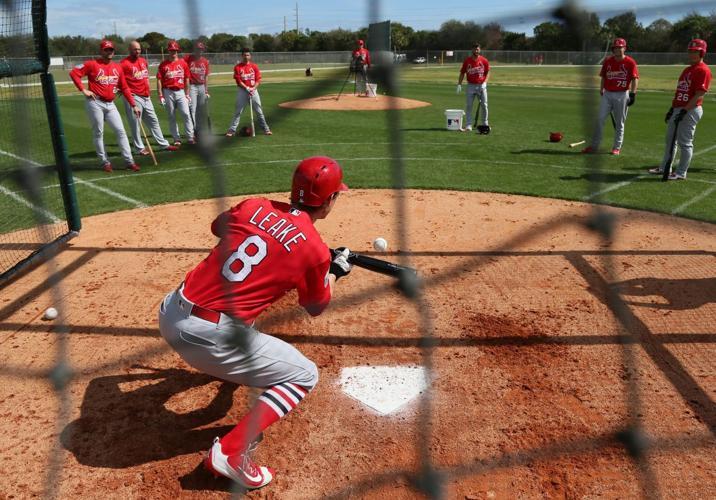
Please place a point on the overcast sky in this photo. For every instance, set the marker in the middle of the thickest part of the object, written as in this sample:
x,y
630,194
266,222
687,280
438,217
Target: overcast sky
x,y
130,17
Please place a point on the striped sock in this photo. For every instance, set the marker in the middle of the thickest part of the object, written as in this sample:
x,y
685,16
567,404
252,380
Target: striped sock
x,y
271,405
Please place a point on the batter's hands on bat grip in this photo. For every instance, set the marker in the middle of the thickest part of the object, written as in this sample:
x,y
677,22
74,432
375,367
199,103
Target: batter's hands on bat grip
x,y
339,265
668,115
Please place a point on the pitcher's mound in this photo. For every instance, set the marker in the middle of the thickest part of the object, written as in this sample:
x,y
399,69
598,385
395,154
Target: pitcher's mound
x,y
350,102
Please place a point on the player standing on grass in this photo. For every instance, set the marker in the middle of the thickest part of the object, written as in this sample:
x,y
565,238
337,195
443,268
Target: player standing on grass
x,y
104,77
360,65
173,89
136,72
686,111
248,78
266,249
199,69
477,69
618,89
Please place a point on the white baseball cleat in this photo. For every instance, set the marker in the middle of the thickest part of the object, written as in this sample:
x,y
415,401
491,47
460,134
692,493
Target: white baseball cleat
x,y
247,474
468,128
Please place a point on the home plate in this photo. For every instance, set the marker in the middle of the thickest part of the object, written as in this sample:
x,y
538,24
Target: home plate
x,y
383,388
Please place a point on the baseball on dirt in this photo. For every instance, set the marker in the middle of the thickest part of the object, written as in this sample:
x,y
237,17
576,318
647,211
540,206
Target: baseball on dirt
x,y
380,244
50,313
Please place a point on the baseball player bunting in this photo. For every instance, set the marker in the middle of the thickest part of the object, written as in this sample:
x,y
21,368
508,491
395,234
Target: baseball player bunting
x,y
266,249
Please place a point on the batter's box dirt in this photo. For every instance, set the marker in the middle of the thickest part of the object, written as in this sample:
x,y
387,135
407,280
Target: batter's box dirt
x,y
528,356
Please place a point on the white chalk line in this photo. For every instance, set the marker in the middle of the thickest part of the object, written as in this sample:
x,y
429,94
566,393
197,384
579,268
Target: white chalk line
x,y
710,148
22,200
613,187
109,192
693,200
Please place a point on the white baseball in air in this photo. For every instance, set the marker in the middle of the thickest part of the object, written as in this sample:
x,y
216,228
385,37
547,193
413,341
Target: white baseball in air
x,y
380,244
50,313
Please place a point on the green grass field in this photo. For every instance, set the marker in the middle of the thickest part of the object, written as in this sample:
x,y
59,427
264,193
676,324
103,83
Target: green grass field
x,y
525,105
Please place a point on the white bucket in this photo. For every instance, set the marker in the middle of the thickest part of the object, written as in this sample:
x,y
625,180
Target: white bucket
x,y
371,89
454,118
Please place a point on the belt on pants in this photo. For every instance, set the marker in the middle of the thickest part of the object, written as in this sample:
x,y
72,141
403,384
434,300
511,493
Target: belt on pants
x,y
205,314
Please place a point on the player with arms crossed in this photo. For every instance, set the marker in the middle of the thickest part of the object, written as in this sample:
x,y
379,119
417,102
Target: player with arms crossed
x,y
477,69
104,77
199,70
685,112
360,64
266,249
618,88
173,90
136,72
248,78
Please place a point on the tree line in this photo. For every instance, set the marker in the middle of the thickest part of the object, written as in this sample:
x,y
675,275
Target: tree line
x,y
659,36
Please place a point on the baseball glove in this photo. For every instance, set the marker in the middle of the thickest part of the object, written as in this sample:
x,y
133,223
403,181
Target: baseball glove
x,y
483,129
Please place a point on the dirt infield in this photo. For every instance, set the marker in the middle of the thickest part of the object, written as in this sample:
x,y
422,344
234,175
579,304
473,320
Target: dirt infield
x,y
350,102
527,357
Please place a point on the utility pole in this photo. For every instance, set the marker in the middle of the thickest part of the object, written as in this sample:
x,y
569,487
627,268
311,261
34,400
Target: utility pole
x,y
297,18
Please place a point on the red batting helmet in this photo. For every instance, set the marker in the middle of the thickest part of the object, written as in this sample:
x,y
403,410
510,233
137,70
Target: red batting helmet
x,y
619,42
106,44
173,45
698,44
315,180
200,46
555,136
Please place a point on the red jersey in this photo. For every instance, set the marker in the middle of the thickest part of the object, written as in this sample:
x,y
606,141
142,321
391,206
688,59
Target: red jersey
x,y
267,248
173,74
104,78
248,73
136,72
198,69
362,53
694,78
476,69
618,75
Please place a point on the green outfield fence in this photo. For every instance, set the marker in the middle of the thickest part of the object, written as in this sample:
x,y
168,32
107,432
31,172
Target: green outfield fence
x,y
32,145
426,479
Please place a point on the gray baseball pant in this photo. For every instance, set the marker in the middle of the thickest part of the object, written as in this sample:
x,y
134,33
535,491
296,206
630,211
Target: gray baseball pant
x,y
478,90
242,355
176,101
684,138
197,106
616,104
242,99
100,111
150,119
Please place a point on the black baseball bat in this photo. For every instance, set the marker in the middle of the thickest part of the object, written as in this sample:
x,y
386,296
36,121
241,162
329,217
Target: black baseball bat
x,y
377,265
672,143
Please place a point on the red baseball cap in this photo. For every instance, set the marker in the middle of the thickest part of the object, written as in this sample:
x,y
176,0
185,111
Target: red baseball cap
x,y
698,44
619,42
106,44
361,42
200,46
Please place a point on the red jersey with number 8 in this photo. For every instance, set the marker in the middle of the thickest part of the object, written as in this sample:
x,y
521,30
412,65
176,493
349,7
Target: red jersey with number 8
x,y
617,74
694,78
266,249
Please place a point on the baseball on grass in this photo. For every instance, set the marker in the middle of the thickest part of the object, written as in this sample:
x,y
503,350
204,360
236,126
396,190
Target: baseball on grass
x,y
50,313
380,244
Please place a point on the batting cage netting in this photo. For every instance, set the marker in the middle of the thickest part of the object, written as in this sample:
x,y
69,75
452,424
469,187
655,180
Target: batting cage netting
x,y
36,193
138,423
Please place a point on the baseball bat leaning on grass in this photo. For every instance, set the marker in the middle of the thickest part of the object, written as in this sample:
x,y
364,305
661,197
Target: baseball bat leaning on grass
x,y
149,146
